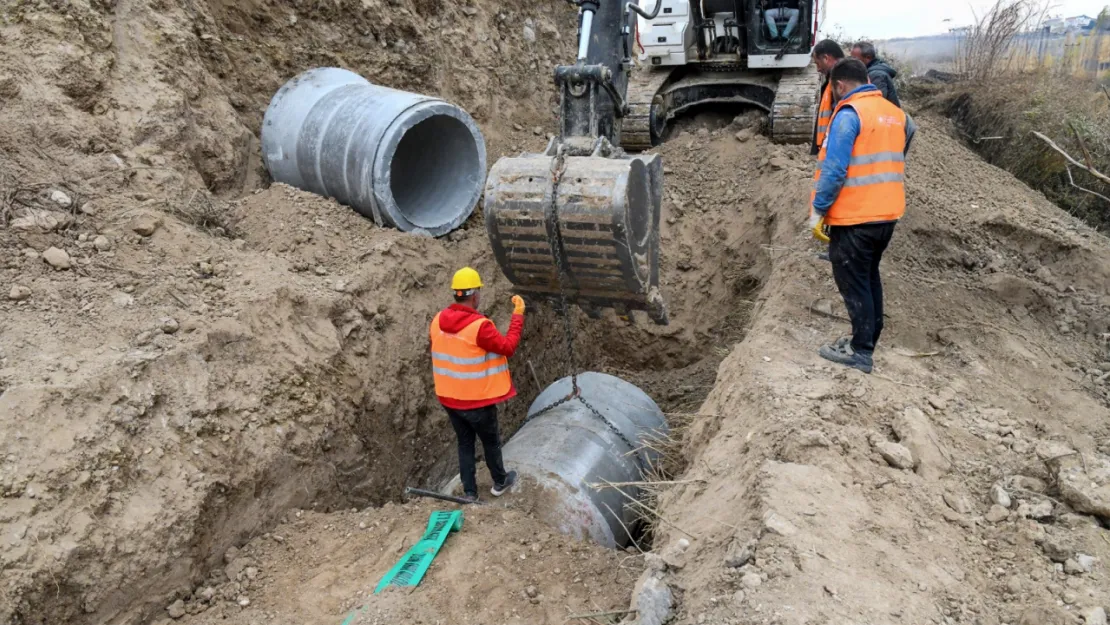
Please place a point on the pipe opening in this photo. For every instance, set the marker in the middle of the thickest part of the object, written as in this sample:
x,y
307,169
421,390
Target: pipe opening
x,y
434,172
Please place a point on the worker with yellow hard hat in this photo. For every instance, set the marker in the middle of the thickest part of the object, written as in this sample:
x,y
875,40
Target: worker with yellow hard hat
x,y
470,366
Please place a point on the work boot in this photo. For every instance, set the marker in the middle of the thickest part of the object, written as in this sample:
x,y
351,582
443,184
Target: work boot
x,y
501,489
841,352
471,498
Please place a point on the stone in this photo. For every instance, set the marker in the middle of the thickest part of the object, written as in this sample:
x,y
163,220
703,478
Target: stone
x,y
780,163
176,609
745,135
937,402
529,34
34,220
145,225
1056,548
917,434
1039,510
895,455
738,557
532,592
57,258
996,514
243,601
1000,497
751,580
652,600
1084,483
101,243
1071,567
959,503
251,572
208,593
19,293
1086,563
775,524
61,198
169,325
1050,450
813,438
1094,616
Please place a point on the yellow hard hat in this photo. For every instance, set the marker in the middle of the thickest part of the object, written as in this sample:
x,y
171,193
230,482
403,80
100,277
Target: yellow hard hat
x,y
466,279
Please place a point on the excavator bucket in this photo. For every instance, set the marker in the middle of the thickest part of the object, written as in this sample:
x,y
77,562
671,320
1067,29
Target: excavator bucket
x,y
581,227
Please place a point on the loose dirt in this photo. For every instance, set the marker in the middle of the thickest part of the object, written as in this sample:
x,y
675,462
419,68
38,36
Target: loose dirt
x,y
202,374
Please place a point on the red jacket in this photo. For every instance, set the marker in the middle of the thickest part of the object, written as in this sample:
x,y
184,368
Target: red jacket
x,y
456,317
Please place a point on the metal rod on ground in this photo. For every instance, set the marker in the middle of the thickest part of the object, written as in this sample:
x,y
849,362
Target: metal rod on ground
x,y
419,492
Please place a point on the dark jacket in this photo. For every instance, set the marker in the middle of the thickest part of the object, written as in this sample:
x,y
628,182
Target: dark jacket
x,y
882,76
456,317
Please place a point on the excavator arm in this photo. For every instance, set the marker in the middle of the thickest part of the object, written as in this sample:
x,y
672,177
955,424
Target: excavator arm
x,y
579,223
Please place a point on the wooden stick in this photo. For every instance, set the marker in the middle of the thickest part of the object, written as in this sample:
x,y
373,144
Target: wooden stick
x,y
883,377
535,378
597,614
1083,189
1052,144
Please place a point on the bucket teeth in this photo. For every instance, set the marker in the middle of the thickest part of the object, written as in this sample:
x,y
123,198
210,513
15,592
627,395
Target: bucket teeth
x,y
593,236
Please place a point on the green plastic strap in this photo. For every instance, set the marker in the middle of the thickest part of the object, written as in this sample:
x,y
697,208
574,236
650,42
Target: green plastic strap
x,y
411,568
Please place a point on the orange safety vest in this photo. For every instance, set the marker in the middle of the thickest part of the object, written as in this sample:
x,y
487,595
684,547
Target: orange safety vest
x,y
824,115
875,188
464,371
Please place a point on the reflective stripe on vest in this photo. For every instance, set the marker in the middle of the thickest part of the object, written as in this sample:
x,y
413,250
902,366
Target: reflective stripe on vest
x,y
824,115
464,371
874,190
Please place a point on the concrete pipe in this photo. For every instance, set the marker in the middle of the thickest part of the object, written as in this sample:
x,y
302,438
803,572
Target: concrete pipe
x,y
568,448
405,160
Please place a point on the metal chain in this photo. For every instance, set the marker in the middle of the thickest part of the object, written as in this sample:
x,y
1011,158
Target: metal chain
x,y
558,167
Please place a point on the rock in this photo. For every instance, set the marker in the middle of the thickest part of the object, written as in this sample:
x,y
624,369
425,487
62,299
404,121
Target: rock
x,y
1086,563
751,580
34,220
1040,510
538,131
532,592
321,270
1024,482
739,556
775,524
1056,548
1094,616
895,455
243,601
652,600
1071,567
1084,483
61,199
57,258
529,34
251,572
1000,497
959,503
1049,450
19,293
169,325
779,163
813,438
916,432
208,593
102,243
745,135
176,609
145,225
937,402
996,514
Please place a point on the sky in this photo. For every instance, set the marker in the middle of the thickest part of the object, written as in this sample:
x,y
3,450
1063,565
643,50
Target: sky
x,y
877,19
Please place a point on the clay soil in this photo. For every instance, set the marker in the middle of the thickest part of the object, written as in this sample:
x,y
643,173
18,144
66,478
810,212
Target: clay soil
x,y
211,413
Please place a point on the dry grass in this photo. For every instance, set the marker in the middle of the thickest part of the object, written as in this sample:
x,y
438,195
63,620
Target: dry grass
x,y
206,213
999,107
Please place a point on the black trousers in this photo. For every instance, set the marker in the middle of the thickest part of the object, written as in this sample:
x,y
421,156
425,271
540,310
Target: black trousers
x,y
480,423
855,252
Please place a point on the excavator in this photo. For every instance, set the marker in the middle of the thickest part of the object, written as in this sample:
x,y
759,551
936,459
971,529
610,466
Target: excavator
x,y
579,223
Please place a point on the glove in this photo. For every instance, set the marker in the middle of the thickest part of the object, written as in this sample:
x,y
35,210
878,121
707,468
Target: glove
x,y
518,305
818,228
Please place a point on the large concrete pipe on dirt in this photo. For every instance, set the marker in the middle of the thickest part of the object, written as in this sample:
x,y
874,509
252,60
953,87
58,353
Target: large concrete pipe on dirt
x,y
405,160
568,450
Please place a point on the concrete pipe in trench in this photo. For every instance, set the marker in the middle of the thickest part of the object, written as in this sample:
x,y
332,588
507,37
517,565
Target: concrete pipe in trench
x,y
566,449
405,160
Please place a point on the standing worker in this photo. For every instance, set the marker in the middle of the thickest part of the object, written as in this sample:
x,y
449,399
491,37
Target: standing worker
x,y
879,72
826,54
470,365
860,196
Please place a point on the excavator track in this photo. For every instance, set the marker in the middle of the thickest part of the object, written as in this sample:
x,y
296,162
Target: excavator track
x,y
640,128
795,108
